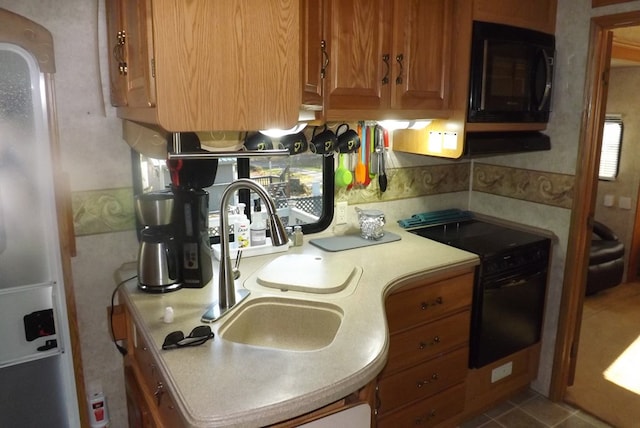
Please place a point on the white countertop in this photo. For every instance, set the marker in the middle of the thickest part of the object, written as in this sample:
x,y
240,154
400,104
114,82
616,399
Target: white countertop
x,y
223,383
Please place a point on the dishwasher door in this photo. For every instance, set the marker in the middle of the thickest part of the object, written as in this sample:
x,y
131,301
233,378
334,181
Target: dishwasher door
x,y
507,314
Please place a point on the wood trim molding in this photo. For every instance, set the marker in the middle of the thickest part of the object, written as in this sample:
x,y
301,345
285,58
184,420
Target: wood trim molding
x,y
595,99
599,3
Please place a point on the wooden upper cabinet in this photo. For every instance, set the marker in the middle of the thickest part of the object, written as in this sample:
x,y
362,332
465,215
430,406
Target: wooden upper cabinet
x,y
130,35
537,15
117,78
357,40
313,52
140,88
211,65
388,58
422,54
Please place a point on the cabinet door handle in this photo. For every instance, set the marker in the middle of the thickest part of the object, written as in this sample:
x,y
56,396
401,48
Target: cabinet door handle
x,y
385,59
421,383
399,60
437,301
118,52
424,345
325,57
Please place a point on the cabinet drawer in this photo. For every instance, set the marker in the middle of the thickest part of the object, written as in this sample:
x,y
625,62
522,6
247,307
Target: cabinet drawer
x,y
156,385
421,304
427,340
422,380
167,408
428,412
142,354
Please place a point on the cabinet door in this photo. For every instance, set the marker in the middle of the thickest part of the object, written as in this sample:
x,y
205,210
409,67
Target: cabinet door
x,y
357,39
115,25
422,54
312,53
137,409
139,53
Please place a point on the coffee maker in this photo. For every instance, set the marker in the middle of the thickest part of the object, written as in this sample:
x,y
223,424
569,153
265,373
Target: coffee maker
x,y
191,219
158,266
189,178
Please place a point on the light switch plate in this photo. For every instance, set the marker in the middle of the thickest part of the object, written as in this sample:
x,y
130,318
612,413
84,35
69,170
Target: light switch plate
x,y
624,202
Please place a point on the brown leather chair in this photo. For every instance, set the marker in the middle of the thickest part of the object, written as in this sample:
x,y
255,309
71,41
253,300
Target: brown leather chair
x,y
606,260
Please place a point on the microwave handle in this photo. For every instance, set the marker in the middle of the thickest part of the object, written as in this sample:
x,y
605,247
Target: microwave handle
x,y
547,86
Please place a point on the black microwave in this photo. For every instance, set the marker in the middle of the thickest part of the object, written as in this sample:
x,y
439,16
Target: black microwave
x,y
511,74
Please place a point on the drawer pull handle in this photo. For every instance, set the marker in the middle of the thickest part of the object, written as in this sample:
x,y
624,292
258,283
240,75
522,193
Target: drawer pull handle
x,y
433,378
424,345
426,418
159,392
425,305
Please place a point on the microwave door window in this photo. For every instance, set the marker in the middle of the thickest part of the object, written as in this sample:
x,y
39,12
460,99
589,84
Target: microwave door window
x,y
506,80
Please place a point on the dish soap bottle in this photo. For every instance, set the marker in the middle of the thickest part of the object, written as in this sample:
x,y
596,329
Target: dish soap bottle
x,y
241,228
258,225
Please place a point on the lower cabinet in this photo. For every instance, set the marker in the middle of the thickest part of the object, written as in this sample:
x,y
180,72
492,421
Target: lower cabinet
x,y
423,383
151,405
140,414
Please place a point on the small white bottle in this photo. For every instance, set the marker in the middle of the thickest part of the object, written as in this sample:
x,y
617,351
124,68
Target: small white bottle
x,y
297,236
258,225
241,228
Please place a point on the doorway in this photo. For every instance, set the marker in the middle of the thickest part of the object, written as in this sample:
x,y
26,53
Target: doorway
x,y
585,190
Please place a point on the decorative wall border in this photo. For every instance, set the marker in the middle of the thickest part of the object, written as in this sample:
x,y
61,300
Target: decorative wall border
x,y
111,210
404,183
534,186
103,211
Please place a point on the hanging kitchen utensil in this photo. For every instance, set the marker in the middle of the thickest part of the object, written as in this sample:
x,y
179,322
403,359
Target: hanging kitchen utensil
x,y
373,162
343,176
360,167
367,156
382,176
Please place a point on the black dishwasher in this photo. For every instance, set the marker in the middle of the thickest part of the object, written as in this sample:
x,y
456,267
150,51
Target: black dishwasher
x,y
510,285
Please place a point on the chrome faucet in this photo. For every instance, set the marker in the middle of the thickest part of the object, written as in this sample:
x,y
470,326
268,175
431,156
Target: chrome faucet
x,y
228,296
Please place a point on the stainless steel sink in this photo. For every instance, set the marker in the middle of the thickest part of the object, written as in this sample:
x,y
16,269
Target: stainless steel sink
x,y
287,324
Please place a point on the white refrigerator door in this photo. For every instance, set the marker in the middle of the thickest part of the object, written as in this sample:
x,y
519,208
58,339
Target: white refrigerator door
x,y
37,386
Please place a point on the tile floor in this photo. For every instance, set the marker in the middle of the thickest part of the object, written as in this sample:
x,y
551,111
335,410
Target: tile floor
x,y
531,410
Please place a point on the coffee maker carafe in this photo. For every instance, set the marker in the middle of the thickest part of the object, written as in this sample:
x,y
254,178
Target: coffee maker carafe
x,y
158,254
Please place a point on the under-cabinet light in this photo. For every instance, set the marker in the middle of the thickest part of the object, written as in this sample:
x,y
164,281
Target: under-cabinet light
x,y
279,133
392,125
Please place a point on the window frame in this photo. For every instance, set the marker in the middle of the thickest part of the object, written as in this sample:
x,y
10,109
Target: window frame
x,y
244,195
605,152
328,184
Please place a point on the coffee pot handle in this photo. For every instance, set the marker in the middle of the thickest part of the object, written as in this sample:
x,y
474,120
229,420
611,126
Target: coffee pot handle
x,y
171,253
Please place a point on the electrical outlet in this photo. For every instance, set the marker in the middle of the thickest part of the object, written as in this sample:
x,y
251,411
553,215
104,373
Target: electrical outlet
x,y
341,212
501,372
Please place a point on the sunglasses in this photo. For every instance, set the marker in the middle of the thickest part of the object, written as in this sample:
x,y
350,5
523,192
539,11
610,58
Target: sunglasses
x,y
198,336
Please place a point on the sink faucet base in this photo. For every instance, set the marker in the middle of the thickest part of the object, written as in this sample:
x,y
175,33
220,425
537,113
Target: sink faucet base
x,y
216,311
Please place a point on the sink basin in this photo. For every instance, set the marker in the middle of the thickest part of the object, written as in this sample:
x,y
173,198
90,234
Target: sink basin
x,y
286,324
